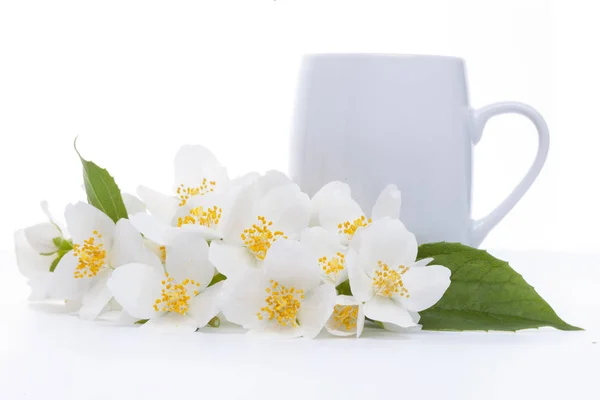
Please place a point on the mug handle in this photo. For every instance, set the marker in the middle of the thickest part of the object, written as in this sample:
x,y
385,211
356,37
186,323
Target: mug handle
x,y
482,227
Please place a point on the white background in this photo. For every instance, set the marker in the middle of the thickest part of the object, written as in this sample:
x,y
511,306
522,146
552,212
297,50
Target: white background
x,y
135,80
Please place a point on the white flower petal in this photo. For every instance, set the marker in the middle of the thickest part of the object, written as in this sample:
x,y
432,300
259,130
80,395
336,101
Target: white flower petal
x,y
136,287
243,297
125,319
129,247
270,180
338,208
95,299
208,200
395,328
344,300
152,227
133,204
41,236
340,277
290,263
194,163
230,260
187,257
244,185
207,233
388,204
245,180
356,241
34,266
274,331
360,284
294,219
30,262
333,187
205,306
287,207
155,248
411,329
241,216
170,323
331,328
159,205
423,262
64,285
425,285
316,309
387,240
320,199
113,305
82,219
40,286
53,307
384,309
360,322
321,242
415,316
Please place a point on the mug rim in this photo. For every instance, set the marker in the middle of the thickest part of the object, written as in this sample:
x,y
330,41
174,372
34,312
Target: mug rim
x,y
398,56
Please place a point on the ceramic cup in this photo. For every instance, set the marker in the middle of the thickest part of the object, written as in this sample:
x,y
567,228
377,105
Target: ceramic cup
x,y
370,120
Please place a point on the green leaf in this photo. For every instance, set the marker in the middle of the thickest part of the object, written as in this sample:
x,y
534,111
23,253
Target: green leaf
x,y
344,288
141,321
217,278
102,191
485,294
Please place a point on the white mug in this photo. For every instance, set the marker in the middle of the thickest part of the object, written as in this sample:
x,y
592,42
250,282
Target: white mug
x,y
371,120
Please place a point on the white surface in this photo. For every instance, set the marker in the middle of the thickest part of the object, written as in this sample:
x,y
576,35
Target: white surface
x,y
371,120
136,79
58,357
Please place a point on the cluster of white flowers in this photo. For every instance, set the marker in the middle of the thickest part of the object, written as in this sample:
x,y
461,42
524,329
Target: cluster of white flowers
x,y
255,251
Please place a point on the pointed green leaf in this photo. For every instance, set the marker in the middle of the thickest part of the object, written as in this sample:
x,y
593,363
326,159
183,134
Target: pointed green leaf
x,y
485,294
101,189
216,279
344,288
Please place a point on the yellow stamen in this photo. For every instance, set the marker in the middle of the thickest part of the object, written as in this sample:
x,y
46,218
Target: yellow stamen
x,y
282,305
345,317
388,281
92,257
175,297
208,217
349,228
332,267
184,192
259,238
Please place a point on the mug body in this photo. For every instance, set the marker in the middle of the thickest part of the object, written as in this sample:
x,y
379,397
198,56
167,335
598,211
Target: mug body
x,y
372,120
